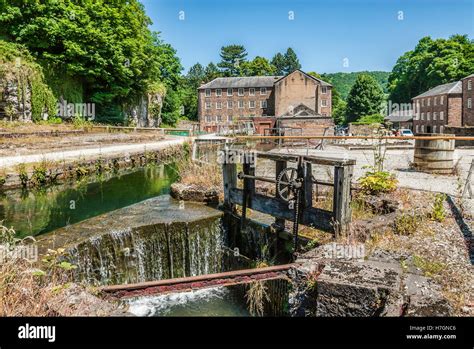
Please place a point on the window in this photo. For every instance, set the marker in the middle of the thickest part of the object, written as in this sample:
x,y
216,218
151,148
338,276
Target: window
x,y
229,118
241,104
251,91
429,102
434,115
241,92
218,92
422,116
230,104
435,100
208,118
441,115
230,92
423,102
324,90
324,114
251,104
422,128
441,100
263,91
219,118
208,105
441,129
434,128
208,92
469,85
218,105
417,128
263,104
428,116
324,102
469,103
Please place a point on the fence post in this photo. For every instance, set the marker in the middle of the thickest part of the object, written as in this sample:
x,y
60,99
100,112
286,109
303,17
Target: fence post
x,y
342,197
229,175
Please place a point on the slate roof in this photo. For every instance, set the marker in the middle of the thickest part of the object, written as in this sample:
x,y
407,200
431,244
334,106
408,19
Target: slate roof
x,y
469,76
244,81
400,116
450,88
323,83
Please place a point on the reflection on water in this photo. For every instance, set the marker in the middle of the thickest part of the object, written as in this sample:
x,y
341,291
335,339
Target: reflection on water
x,y
219,301
34,212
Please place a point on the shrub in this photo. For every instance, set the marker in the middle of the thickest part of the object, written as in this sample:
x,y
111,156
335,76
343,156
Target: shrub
x,y
407,223
375,182
438,212
23,174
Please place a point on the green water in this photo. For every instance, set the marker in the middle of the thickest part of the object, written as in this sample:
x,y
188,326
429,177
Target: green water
x,y
38,212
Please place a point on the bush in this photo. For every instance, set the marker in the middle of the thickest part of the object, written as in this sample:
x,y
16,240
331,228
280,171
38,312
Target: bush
x,y
438,212
407,224
375,182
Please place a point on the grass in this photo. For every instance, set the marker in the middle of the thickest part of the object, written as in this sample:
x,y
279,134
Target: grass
x,y
256,295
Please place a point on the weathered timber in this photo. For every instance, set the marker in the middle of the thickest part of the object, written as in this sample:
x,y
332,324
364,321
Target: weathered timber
x,y
342,197
328,161
229,174
314,217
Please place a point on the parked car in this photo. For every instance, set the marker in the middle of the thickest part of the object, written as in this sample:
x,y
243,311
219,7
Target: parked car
x,y
404,132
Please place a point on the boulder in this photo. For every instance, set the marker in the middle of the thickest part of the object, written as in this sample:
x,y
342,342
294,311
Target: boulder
x,y
195,193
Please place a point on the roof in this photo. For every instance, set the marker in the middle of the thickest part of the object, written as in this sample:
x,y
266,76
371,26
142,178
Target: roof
x,y
450,88
241,81
400,116
322,82
469,76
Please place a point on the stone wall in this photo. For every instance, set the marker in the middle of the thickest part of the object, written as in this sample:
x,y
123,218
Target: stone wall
x,y
459,132
310,125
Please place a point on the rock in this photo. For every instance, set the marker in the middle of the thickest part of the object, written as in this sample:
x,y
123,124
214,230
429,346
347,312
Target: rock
x,y
364,229
382,204
195,193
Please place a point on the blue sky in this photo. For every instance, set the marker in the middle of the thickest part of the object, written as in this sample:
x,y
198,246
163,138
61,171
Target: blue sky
x,y
323,33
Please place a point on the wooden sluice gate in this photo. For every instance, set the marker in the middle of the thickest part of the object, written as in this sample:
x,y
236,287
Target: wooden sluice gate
x,y
294,189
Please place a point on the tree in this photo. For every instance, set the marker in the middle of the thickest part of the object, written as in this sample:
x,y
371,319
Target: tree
x,y
292,62
365,98
211,72
232,57
431,63
196,75
259,66
278,61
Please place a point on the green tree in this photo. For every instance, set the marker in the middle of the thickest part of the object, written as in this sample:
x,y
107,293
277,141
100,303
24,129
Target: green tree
x,y
196,75
211,72
259,66
365,98
278,61
292,62
232,56
431,63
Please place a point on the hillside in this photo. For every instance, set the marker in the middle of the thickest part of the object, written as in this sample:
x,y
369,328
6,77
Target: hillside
x,y
344,81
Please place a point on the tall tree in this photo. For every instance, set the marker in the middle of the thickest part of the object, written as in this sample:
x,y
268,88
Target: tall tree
x,y
232,56
278,61
292,62
431,63
365,98
196,75
211,72
259,66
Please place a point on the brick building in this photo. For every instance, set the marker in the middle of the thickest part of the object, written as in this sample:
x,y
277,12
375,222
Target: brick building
x,y
262,99
438,108
467,100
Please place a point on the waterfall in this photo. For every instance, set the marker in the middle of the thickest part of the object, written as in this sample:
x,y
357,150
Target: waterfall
x,y
155,252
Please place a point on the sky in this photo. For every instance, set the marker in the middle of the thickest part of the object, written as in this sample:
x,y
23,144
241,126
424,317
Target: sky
x,y
328,36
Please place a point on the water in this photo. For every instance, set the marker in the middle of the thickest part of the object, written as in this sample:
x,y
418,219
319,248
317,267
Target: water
x,y
38,212
218,301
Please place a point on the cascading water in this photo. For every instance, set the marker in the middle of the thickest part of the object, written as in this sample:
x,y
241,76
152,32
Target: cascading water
x,y
159,251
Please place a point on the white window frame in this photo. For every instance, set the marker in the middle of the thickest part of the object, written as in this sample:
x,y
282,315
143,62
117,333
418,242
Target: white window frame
x,y
208,92
241,104
230,104
434,128
435,100
324,90
252,91
263,104
324,102
441,100
208,118
422,128
241,91
208,105
218,105
252,106
441,129
417,128
441,115
469,84
435,114
429,102
231,92
422,116
263,91
469,103
218,92
422,102
219,118
428,116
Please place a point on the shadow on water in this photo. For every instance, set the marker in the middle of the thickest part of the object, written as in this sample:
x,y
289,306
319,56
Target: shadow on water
x,y
37,212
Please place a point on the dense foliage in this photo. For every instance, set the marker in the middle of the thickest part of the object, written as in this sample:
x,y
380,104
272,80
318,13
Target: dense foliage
x,y
343,81
365,98
431,63
106,45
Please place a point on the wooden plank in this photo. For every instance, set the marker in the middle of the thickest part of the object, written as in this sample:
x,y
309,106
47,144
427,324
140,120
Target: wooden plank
x,y
229,175
342,197
308,185
318,160
313,217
